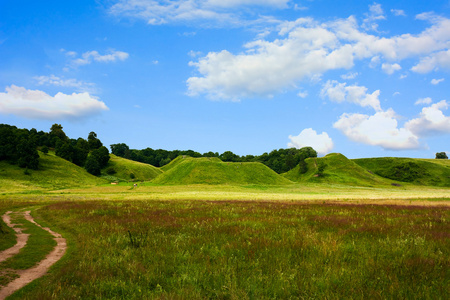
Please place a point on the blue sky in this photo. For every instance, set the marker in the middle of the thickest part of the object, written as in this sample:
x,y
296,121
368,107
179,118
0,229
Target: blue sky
x,y
363,78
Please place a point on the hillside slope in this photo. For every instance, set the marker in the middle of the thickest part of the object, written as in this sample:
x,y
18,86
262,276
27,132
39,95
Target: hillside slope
x,y
188,170
337,169
121,169
434,172
54,173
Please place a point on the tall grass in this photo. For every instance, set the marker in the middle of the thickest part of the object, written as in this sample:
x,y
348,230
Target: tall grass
x,y
249,250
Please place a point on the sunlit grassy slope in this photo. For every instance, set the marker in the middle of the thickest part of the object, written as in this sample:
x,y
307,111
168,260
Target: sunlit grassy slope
x,y
338,169
54,173
435,172
188,170
129,170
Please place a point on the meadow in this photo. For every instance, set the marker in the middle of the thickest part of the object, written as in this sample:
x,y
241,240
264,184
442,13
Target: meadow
x,y
347,234
245,249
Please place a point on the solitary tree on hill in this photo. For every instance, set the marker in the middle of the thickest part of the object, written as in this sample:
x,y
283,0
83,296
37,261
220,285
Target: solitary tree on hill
x,y
441,155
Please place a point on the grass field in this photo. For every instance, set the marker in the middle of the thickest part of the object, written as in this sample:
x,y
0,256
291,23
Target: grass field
x,y
249,250
346,234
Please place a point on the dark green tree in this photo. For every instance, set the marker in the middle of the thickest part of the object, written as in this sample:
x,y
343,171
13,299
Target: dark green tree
x,y
92,166
94,142
121,150
28,156
57,131
441,155
101,155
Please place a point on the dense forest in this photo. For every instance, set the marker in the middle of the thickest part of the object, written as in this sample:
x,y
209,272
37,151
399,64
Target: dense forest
x,y
19,146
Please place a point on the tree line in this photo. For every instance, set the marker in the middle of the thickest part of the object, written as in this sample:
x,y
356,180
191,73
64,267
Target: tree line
x,y
280,161
20,146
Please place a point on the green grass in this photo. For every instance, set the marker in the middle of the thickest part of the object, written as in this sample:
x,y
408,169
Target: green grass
x,y
54,173
338,170
128,170
7,235
249,250
40,243
433,172
190,170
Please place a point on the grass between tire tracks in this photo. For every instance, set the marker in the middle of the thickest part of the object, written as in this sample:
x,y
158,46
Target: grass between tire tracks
x,y
39,244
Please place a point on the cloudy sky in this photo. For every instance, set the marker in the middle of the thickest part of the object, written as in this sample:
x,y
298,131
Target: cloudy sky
x,y
362,78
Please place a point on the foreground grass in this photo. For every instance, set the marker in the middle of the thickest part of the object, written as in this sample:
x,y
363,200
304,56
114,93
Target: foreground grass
x,y
248,250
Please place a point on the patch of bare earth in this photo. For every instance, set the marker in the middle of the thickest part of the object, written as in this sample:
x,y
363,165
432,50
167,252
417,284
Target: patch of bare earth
x,y
27,276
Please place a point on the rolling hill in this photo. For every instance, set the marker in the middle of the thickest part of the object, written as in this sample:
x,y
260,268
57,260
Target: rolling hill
x,y
54,173
121,169
433,172
188,170
337,169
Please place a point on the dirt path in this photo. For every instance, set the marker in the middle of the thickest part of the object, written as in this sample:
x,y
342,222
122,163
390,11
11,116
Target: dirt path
x,y
27,276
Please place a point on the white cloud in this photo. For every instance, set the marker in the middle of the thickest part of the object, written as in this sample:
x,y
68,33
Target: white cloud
x,y
426,100
35,104
437,81
431,121
194,11
90,56
62,82
322,143
433,62
306,49
380,129
340,92
376,14
390,68
398,12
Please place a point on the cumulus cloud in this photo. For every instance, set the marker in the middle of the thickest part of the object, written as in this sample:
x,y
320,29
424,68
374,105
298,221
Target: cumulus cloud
x,y
380,129
216,12
90,56
322,143
340,92
35,104
390,68
306,49
433,62
431,121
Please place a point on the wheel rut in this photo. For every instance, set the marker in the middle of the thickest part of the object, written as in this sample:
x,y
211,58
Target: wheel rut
x,y
28,275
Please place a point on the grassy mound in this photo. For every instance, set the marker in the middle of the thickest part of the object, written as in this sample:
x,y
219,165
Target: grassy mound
x,y
188,170
54,173
336,169
417,171
121,169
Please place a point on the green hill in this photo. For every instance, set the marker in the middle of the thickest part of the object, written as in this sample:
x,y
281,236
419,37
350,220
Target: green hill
x,y
54,173
121,169
337,169
434,172
188,170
